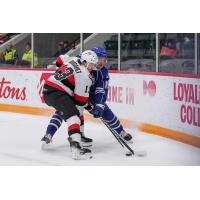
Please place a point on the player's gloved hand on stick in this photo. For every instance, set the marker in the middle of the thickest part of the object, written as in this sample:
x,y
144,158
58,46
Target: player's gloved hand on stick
x,y
98,110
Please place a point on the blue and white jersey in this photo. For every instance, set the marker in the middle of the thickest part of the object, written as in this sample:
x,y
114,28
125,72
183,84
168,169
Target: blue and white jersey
x,y
99,88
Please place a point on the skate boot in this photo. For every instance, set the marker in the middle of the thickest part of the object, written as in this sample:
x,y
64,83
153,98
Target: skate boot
x,y
46,141
79,153
85,141
126,136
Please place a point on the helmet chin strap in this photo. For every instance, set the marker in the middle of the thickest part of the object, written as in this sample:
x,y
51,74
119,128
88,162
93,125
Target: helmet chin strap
x,y
87,66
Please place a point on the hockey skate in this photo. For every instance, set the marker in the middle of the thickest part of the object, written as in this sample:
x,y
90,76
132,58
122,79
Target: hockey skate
x,y
79,153
85,141
46,141
127,137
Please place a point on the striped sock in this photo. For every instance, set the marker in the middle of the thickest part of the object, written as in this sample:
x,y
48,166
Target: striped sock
x,y
54,124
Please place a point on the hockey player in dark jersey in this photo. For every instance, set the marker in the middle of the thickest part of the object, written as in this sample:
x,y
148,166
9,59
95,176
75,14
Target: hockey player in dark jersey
x,y
67,90
98,96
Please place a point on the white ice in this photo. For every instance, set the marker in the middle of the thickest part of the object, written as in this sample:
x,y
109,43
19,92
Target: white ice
x,y
20,145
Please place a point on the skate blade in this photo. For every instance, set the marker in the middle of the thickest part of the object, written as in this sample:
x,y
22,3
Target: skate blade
x,y
83,157
129,142
77,156
46,146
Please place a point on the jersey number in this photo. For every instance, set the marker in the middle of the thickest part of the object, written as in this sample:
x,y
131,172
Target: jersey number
x,y
87,89
63,74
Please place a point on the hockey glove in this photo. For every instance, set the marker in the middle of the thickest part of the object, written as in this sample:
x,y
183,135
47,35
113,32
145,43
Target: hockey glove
x,y
98,110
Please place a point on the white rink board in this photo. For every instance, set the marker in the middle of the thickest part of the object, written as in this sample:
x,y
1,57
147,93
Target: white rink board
x,y
167,101
27,82
156,100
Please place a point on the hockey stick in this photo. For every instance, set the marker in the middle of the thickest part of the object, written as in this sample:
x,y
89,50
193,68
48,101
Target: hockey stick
x,y
123,143
119,139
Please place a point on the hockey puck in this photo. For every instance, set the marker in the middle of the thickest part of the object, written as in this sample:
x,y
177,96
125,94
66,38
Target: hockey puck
x,y
141,153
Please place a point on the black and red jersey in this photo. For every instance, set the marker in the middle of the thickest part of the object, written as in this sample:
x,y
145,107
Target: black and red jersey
x,y
74,79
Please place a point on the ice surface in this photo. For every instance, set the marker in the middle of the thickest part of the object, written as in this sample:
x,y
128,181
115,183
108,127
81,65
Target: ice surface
x,y
20,144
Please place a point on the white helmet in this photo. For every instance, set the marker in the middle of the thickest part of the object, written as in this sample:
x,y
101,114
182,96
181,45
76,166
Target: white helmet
x,y
89,56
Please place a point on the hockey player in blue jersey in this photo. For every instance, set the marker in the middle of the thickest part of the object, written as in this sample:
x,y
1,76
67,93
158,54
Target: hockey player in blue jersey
x,y
97,104
98,95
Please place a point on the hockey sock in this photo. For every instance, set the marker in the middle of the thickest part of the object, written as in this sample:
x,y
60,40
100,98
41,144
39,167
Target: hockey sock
x,y
54,124
115,124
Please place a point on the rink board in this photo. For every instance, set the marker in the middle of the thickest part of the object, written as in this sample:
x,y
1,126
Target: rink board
x,y
162,104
